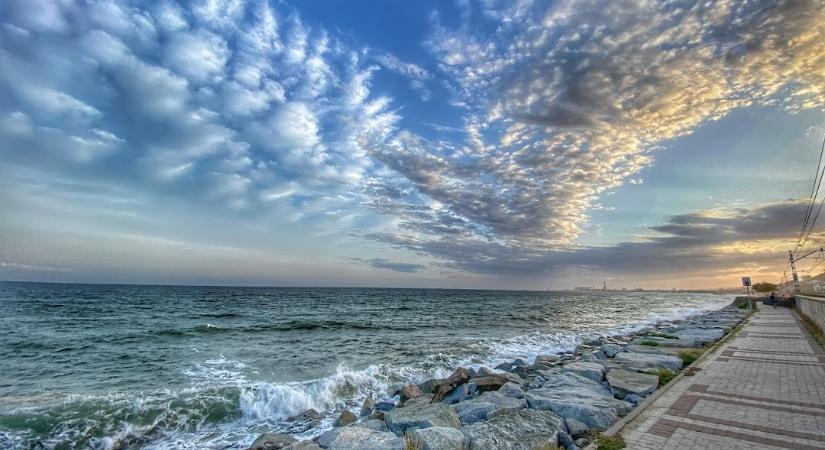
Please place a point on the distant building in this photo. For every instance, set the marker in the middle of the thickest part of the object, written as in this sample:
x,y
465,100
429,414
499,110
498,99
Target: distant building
x,y
584,288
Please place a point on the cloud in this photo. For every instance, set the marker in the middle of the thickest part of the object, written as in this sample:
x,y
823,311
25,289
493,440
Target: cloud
x,y
382,263
415,73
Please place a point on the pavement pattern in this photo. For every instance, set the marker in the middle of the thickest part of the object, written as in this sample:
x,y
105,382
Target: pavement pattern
x,y
762,389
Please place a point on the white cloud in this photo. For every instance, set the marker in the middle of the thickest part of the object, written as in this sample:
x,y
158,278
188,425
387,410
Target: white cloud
x,y
199,56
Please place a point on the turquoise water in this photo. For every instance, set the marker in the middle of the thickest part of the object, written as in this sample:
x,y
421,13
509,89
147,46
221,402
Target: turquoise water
x,y
104,366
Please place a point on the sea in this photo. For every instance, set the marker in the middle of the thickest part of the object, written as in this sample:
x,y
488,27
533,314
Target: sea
x,y
182,367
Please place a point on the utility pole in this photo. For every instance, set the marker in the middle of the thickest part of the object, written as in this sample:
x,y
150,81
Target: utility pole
x,y
793,274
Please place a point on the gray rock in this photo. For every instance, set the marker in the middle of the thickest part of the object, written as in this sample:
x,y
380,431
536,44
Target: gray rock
x,y
408,392
460,393
522,430
519,362
431,385
473,411
511,389
495,382
414,416
367,407
384,406
504,366
270,441
566,441
697,337
582,442
358,438
639,362
346,418
483,372
460,376
305,421
504,404
611,350
573,396
372,424
633,398
591,370
575,427
545,360
625,382
438,438
303,445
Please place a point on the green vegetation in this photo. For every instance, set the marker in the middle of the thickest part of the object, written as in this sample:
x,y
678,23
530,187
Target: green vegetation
x,y
607,442
688,356
764,287
664,375
649,342
662,335
411,444
813,328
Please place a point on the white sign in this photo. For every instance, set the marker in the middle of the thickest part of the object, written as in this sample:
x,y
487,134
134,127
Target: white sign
x,y
746,281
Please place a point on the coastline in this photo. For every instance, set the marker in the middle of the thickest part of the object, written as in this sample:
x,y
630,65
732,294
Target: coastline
x,y
574,394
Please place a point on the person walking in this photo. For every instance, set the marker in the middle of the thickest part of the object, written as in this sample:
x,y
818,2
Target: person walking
x,y
773,300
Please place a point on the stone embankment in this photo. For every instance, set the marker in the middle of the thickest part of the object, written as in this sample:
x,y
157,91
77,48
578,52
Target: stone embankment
x,y
558,399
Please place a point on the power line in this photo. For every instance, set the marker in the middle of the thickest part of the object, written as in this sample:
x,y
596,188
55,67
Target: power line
x,y
803,237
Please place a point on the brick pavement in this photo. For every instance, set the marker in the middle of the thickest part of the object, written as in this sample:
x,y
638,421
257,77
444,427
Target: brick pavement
x,y
762,389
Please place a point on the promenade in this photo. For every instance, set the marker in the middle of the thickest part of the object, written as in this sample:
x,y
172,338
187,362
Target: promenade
x,y
762,389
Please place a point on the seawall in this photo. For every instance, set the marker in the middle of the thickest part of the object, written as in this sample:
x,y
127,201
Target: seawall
x,y
813,308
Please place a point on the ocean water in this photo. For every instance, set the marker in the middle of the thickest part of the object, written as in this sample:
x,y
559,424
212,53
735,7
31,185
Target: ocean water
x,y
165,367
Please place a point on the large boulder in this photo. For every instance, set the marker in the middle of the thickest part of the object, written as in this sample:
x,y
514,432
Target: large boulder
x,y
373,424
421,415
611,350
408,392
494,382
305,421
438,438
639,362
346,418
303,445
270,441
358,438
625,382
697,337
573,396
431,385
504,404
522,430
460,393
459,377
367,407
511,389
575,427
591,370
473,411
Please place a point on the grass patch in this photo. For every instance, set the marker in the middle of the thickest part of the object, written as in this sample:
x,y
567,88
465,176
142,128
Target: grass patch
x,y
664,375
662,335
813,328
649,342
603,442
688,356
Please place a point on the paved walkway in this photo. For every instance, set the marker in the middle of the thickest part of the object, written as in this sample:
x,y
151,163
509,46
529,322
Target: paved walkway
x,y
764,389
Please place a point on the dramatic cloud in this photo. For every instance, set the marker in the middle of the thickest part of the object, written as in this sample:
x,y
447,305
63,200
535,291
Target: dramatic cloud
x,y
567,101
382,263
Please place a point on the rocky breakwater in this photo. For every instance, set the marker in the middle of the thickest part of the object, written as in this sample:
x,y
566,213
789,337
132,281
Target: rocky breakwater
x,y
557,399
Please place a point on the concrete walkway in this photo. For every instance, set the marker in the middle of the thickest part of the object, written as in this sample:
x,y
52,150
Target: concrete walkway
x,y
763,389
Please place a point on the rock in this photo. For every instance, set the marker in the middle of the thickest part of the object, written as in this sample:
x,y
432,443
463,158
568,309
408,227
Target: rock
x,y
358,438
438,438
639,362
384,406
495,382
565,440
430,386
410,417
696,337
460,376
633,398
422,400
303,445
408,392
519,362
591,370
504,404
376,414
582,442
511,389
270,441
305,421
573,396
367,407
522,430
345,419
611,350
483,372
504,366
575,427
458,394
473,411
373,424
624,382
545,361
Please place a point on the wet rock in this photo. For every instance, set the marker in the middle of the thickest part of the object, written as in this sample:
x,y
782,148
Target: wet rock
x,y
473,411
438,438
575,427
430,386
483,372
565,441
367,407
504,366
625,382
490,383
521,430
358,438
511,389
270,441
633,398
639,362
611,350
519,362
415,416
460,393
573,396
384,406
582,442
546,360
305,421
591,370
345,419
376,414
408,392
459,377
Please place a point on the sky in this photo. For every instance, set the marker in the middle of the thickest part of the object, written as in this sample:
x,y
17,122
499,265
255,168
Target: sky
x,y
456,144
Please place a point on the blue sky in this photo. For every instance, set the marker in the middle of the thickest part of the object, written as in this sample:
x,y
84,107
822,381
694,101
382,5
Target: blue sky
x,y
492,144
